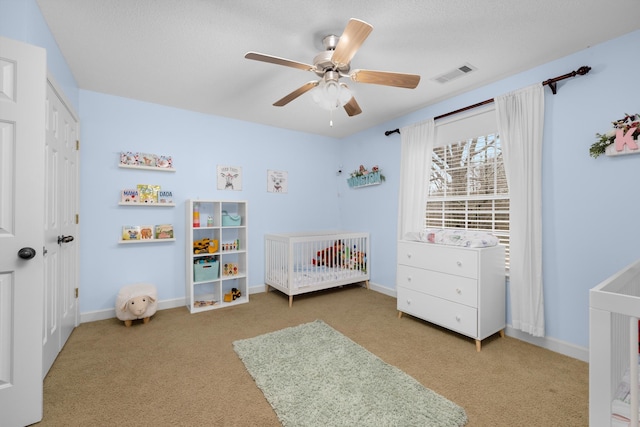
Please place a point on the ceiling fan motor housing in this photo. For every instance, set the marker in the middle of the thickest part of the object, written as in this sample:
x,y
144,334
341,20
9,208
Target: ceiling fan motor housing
x,y
323,62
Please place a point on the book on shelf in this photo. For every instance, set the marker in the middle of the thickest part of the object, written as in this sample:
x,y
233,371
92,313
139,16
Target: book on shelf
x,y
129,158
164,162
129,195
147,159
165,196
164,231
148,193
131,232
146,232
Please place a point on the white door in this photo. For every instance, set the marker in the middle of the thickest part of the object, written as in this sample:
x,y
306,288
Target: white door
x,y
60,226
23,75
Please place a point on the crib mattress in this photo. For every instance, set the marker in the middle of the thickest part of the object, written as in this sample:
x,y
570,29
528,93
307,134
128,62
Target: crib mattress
x,y
310,275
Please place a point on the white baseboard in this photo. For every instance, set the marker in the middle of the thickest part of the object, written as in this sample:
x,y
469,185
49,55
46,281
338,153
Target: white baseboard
x,y
383,290
552,344
92,316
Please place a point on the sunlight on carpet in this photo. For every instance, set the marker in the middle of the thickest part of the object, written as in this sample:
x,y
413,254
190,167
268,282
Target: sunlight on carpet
x,y
313,375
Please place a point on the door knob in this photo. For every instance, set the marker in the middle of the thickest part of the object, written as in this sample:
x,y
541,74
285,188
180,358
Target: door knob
x,y
65,239
27,253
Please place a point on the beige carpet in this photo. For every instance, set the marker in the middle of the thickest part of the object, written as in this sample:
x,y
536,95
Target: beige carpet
x,y
180,369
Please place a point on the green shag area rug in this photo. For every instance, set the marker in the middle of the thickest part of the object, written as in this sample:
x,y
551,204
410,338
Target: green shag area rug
x,y
312,375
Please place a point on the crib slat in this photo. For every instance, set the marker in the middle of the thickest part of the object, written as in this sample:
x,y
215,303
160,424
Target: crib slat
x,y
633,369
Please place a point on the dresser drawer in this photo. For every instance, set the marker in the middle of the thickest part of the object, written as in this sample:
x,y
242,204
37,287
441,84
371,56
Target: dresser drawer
x,y
442,258
462,290
457,317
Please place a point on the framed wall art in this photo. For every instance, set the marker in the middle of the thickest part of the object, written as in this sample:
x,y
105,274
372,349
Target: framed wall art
x,y
277,181
229,178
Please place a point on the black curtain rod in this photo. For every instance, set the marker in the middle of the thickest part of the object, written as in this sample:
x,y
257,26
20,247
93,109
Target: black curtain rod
x,y
552,83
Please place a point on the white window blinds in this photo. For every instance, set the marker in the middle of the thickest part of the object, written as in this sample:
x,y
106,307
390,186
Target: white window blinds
x,y
467,186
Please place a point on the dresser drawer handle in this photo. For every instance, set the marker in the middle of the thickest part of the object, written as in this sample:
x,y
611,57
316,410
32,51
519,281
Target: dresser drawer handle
x,y
459,291
408,278
459,263
408,255
458,318
408,302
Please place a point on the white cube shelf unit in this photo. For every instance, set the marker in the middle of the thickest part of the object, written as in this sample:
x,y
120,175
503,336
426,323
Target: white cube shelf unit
x,y
212,276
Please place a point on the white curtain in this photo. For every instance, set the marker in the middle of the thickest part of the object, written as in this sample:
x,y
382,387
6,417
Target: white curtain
x,y
520,117
415,170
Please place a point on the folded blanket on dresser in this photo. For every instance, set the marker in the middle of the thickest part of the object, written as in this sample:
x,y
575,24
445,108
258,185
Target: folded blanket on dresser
x,y
454,237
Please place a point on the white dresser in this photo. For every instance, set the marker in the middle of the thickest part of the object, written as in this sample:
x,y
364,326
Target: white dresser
x,y
461,289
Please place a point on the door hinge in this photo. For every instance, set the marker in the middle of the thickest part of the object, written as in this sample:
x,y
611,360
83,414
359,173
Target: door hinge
x,y
76,292
77,219
77,144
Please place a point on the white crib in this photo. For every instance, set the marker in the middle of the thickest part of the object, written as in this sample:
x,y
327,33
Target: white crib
x,y
614,309
297,263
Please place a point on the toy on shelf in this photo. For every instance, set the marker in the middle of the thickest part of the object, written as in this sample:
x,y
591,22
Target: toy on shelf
x,y
230,269
231,246
205,245
204,303
196,215
233,295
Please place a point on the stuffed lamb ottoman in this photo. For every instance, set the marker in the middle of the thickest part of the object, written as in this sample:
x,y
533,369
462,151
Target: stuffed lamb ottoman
x,y
138,301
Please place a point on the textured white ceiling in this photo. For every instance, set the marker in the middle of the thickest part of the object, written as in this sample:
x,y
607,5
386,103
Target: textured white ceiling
x,y
190,53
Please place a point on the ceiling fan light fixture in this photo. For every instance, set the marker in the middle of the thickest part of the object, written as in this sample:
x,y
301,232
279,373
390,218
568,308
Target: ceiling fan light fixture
x,y
330,94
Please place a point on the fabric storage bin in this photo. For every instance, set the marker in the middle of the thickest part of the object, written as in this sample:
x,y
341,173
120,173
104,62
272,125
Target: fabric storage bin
x,y
230,219
206,271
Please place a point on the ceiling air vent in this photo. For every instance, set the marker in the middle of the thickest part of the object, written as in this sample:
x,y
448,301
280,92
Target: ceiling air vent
x,y
454,74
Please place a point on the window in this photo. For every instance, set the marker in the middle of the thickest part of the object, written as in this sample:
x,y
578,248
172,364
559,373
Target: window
x,y
468,187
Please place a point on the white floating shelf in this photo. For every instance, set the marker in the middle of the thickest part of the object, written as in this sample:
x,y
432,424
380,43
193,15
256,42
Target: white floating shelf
x,y
149,168
146,241
148,205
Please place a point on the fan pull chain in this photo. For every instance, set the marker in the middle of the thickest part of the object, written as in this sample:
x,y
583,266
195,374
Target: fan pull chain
x,y
331,118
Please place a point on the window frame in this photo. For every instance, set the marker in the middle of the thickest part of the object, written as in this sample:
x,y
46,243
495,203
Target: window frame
x,y
462,129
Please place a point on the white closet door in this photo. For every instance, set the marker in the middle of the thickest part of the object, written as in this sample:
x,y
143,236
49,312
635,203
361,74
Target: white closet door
x,y
22,109
61,229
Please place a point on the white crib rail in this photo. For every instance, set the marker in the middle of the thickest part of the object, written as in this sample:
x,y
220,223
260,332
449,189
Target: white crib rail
x,y
614,309
296,260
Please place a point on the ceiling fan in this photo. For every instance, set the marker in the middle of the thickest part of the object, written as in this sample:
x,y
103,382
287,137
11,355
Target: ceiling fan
x,y
334,63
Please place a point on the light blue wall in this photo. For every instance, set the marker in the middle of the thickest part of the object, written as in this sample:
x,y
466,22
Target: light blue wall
x,y
589,205
197,143
21,20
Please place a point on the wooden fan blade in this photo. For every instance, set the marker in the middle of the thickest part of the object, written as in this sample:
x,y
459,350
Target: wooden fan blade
x,y
355,33
278,61
385,78
296,93
352,108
